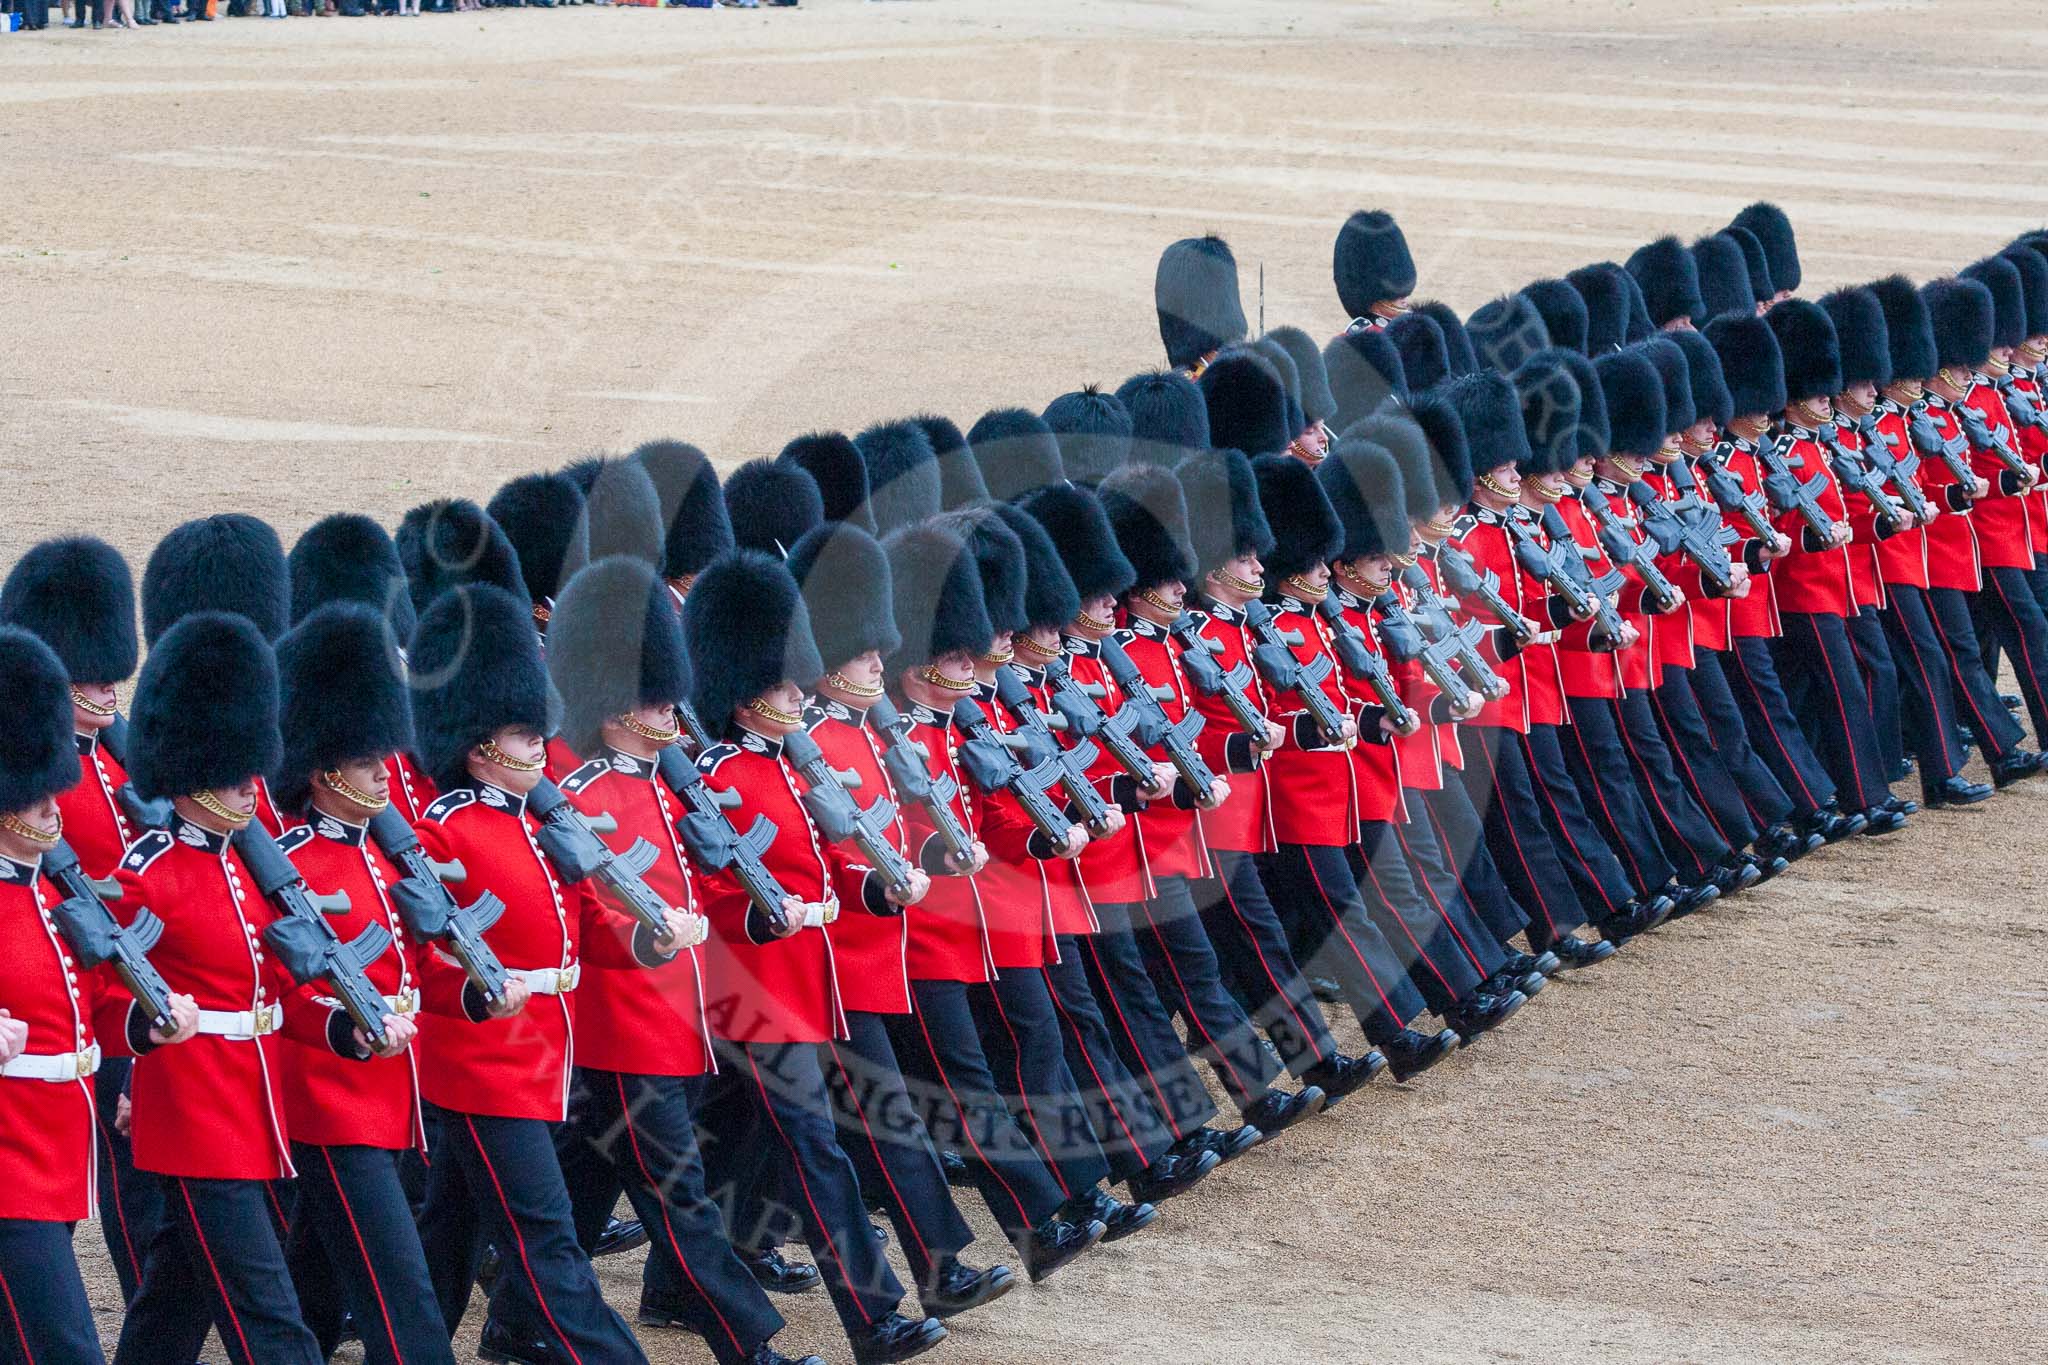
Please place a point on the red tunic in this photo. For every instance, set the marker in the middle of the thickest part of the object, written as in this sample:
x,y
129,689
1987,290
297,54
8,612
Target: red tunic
x,y
1535,680
1418,757
1814,578
1244,822
48,1158
94,824
2005,533
2034,445
949,928
1953,559
1317,799
1756,613
1706,617
1901,558
1419,692
1017,877
1113,869
412,791
875,953
1173,831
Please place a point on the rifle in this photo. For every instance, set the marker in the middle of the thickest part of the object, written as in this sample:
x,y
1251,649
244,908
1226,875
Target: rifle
x,y
142,813
1673,531
1399,632
569,839
1858,475
1788,493
2023,410
1086,720
1073,763
1927,439
1175,738
905,759
95,936
693,728
1461,573
1274,655
712,839
1367,666
1449,640
1584,596
1197,657
1984,436
431,911
305,939
1733,499
841,819
990,762
1898,470
1660,594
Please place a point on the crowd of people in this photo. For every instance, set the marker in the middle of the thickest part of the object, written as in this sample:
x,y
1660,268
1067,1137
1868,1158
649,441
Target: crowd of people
x,y
34,15
911,819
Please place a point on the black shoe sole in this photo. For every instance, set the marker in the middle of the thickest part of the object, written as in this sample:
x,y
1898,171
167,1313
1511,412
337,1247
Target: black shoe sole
x,y
918,1346
998,1284
1437,1052
1155,1195
1039,1273
1135,1224
1307,1108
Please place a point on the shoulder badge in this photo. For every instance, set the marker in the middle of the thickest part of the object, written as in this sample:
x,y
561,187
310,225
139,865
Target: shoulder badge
x,y
449,803
294,838
585,775
146,850
709,760
814,716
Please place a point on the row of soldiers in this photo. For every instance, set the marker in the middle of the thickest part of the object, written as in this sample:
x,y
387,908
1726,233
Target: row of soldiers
x,y
917,816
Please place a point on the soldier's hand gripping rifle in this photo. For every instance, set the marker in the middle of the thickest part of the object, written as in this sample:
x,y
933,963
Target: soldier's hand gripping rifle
x,y
1984,436
95,936
905,760
1660,595
711,837
1789,493
1175,738
1073,761
1702,541
1450,642
1567,578
1733,499
1274,655
841,819
430,909
305,939
990,760
1462,575
1856,474
1897,469
1365,664
1953,451
1197,657
2020,405
569,839
1078,706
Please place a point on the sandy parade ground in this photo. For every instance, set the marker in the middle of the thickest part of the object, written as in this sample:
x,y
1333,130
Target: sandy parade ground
x,y
357,264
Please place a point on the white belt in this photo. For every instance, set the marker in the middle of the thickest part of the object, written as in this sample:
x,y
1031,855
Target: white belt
x,y
241,1026
53,1066
404,1005
549,980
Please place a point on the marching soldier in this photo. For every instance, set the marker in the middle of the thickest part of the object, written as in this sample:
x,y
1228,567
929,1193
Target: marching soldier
x,y
692,510
1194,292
543,516
1373,269
1772,230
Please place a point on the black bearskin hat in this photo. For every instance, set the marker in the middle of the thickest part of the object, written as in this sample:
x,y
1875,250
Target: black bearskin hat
x,y
1305,528
229,562
1457,341
1490,410
75,594
1751,364
449,542
691,504
1247,400
833,461
1674,372
772,505
937,589
1016,451
1550,402
959,476
1603,290
205,711
1711,400
1635,402
1225,519
1762,288
621,511
903,474
1962,314
2008,298
1094,432
1290,379
1050,598
476,669
1195,293
844,578
342,696
2033,268
1724,276
1073,517
1396,432
1425,360
1806,339
542,515
746,629
1908,328
37,755
1670,280
347,557
1365,370
614,643
1169,417
1318,404
1371,263
1781,249
1859,330
1507,332
998,556
1438,417
1639,324
1562,310
1149,514
1593,430
1363,484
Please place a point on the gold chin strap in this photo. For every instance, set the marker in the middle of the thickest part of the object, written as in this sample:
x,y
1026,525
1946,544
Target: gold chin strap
x,y
1095,623
88,705
219,810
1309,592
1628,466
1909,391
1250,587
773,715
647,732
1366,587
1803,413
493,754
852,688
1671,451
1400,562
1438,527
1305,454
347,791
13,824
1493,486
542,613
1550,492
998,660
931,674
1037,650
1154,600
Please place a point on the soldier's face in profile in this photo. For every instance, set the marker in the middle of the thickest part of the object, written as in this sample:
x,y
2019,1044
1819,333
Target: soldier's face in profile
x,y
42,817
863,670
95,712
1581,472
368,776
1858,399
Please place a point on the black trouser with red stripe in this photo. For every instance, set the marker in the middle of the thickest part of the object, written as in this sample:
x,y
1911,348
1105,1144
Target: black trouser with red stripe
x,y
1318,879
1974,692
1881,685
1430,868
1691,840
1682,720
1823,684
1498,788
2009,614
639,1132
1599,764
1773,730
1258,964
497,1180
1138,1022
1122,1114
44,1316
1019,1026
1927,702
216,1262
353,1228
1461,839
962,1108
1588,861
1183,964
131,1201
1762,794
1408,921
